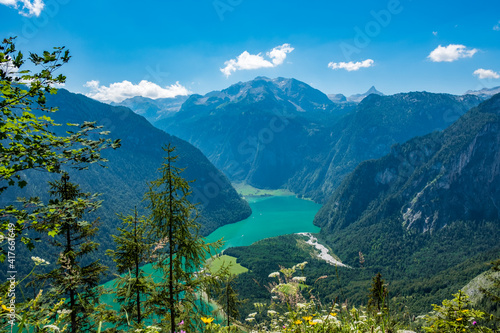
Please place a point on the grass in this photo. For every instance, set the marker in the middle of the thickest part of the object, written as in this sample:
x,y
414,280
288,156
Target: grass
x,y
234,267
246,190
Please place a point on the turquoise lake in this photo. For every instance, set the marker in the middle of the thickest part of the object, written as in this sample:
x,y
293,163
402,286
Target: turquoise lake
x,y
271,216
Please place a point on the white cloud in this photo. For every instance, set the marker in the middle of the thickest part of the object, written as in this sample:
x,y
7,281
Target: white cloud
x,y
117,92
435,33
247,61
351,66
278,54
486,74
497,27
25,7
451,53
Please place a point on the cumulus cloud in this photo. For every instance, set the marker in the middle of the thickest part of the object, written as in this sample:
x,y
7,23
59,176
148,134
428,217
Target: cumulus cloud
x,y
117,92
25,7
451,53
278,54
486,74
351,66
247,61
497,27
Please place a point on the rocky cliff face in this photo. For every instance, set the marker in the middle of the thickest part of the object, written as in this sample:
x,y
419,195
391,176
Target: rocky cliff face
x,y
428,182
465,187
367,133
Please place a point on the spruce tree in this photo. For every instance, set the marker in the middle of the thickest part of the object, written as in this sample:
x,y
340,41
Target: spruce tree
x,y
378,294
133,286
75,276
228,299
179,252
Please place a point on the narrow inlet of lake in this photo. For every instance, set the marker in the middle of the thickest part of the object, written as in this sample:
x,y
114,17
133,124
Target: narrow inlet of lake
x,y
271,216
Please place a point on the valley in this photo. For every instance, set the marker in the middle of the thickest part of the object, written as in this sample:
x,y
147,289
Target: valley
x,y
404,185
382,169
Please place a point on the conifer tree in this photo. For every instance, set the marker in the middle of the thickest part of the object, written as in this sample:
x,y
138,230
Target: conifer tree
x,y
134,286
179,251
75,277
378,294
228,299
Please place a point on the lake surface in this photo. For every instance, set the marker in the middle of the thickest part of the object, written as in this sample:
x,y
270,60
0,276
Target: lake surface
x,y
271,216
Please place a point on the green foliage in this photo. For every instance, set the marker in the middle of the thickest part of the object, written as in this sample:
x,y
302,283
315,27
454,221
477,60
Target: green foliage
x,y
132,288
315,315
227,298
416,278
73,277
40,314
27,141
490,302
179,251
455,316
293,308
378,297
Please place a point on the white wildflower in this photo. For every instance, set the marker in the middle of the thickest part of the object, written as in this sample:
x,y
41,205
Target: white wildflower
x,y
40,261
301,265
250,319
271,312
299,278
253,314
52,327
274,274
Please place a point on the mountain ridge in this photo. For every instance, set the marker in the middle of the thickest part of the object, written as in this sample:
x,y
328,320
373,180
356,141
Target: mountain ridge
x,y
282,133
432,154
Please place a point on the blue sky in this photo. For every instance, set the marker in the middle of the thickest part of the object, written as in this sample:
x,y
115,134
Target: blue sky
x,y
163,48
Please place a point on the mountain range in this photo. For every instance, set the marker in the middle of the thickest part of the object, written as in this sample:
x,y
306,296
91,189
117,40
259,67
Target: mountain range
x,y
153,109
427,182
426,216
484,93
283,133
357,98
